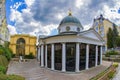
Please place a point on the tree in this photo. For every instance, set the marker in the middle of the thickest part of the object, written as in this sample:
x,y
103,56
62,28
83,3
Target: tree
x,y
115,35
110,38
118,41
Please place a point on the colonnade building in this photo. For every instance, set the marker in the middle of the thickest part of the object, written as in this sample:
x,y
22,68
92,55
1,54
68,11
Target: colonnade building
x,y
72,49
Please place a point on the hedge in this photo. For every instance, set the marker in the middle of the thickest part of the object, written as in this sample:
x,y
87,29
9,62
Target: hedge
x,y
29,56
3,61
107,74
2,69
6,52
108,53
10,77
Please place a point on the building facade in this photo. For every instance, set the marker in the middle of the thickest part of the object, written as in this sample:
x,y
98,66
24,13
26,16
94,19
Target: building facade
x,y
102,25
72,49
22,44
4,32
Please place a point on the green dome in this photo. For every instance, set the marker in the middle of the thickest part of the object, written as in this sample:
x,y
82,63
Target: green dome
x,y
70,19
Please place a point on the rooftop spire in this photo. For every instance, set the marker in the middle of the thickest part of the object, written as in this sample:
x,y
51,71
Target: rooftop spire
x,y
69,12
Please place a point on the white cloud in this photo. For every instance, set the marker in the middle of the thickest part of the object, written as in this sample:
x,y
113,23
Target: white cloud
x,y
60,16
42,16
26,24
29,2
88,26
112,16
82,3
12,29
79,3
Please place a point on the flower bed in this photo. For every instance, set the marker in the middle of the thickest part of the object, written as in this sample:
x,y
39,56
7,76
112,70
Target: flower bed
x,y
107,74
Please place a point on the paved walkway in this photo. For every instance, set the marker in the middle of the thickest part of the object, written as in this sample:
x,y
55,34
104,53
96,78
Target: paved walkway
x,y
32,71
117,76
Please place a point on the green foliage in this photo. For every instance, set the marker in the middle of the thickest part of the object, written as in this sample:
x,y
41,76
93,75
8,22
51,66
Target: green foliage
x,y
3,61
111,74
3,76
112,35
115,31
6,44
115,35
6,52
1,51
106,74
10,77
115,65
2,69
118,41
30,56
13,55
110,38
111,53
15,77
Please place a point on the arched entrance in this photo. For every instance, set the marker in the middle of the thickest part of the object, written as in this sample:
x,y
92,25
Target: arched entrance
x,y
20,47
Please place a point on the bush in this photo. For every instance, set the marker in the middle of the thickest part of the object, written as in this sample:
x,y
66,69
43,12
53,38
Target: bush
x,y
13,55
10,77
3,61
15,77
6,52
3,76
111,75
111,53
2,69
1,51
115,65
30,56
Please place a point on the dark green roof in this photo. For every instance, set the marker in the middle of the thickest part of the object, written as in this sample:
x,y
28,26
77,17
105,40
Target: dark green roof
x,y
70,19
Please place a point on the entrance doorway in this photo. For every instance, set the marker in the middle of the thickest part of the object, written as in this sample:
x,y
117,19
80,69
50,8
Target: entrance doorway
x,y
20,47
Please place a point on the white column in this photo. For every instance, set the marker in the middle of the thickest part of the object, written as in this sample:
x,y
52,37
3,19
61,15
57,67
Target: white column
x,y
77,57
38,53
52,57
101,55
46,56
96,56
87,56
63,57
42,56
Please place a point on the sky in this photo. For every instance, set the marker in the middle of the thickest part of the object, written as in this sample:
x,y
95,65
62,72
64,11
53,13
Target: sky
x,y
42,17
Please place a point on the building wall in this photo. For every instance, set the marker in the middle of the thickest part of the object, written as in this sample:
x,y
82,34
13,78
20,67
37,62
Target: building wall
x,y
4,32
30,43
106,24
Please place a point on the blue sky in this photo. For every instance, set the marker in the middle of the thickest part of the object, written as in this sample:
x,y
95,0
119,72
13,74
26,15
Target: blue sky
x,y
43,16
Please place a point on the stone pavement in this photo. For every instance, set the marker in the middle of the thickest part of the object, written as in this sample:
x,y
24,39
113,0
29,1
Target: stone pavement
x,y
117,76
32,71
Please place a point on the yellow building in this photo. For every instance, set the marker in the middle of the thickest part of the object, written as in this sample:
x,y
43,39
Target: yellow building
x,y
22,44
102,25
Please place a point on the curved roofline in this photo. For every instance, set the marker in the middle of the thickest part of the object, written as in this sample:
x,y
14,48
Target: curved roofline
x,y
71,23
70,20
75,20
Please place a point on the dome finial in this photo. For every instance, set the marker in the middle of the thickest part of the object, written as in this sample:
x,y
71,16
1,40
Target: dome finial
x,y
70,12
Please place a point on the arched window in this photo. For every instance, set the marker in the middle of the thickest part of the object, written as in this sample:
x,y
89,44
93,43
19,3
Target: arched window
x,y
20,47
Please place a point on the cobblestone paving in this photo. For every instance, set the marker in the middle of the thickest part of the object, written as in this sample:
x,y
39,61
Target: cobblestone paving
x,y
32,71
117,76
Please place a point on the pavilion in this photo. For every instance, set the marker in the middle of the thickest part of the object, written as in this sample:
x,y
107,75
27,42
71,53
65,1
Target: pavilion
x,y
73,49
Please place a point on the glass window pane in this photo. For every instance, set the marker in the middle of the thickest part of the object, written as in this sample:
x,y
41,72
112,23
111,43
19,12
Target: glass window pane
x,y
70,56
58,56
